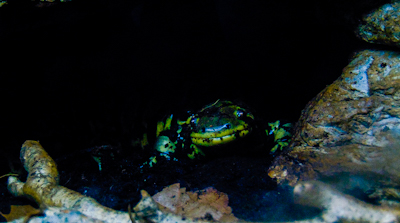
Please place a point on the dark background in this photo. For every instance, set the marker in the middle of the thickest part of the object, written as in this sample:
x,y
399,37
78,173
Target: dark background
x,y
85,73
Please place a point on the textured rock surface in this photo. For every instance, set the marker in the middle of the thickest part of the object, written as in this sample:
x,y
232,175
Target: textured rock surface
x,y
350,126
382,26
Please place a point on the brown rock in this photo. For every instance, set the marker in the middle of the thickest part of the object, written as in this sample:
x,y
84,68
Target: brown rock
x,y
382,25
351,126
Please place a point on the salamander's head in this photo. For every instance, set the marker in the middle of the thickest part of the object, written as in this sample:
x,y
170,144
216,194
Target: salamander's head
x,y
219,123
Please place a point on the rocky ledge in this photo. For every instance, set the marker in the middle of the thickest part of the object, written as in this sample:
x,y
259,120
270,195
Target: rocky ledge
x,y
350,126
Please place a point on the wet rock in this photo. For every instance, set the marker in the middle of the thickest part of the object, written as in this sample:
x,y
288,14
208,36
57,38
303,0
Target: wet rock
x,y
352,126
382,26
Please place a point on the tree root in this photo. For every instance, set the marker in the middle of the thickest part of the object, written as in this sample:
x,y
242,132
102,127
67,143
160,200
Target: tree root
x,y
42,187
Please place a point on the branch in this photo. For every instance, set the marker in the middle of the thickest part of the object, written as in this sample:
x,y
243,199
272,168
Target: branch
x,y
338,207
42,186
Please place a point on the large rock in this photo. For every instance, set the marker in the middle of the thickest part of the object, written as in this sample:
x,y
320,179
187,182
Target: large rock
x,y
382,25
351,126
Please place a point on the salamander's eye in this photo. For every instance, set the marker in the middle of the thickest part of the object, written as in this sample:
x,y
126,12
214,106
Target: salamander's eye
x,y
239,113
203,130
228,126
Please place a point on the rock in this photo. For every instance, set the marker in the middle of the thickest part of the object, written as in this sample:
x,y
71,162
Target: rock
x,y
352,126
382,26
339,207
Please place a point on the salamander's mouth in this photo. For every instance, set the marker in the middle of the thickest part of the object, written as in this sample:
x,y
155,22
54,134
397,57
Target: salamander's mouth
x,y
219,135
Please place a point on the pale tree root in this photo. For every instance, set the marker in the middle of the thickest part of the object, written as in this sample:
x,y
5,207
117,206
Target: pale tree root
x,y
339,207
42,187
